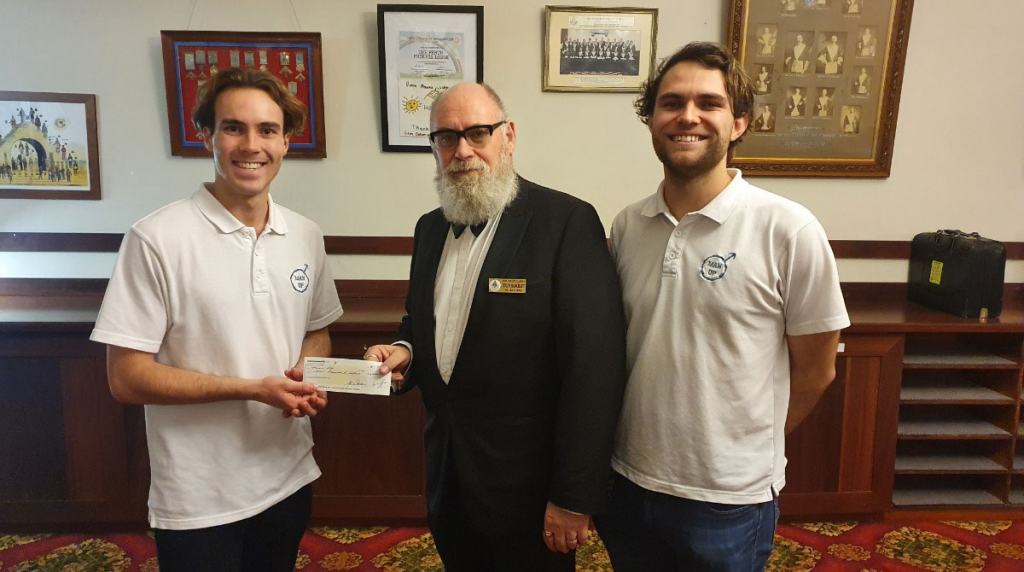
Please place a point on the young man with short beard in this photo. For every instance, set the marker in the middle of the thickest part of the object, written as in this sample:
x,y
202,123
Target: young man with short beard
x,y
733,309
515,316
214,302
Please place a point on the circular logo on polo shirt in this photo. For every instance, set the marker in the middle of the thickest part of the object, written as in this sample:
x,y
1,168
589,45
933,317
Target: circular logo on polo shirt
x,y
715,267
300,280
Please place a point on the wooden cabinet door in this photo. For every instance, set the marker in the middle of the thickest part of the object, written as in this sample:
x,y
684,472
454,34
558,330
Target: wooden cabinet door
x,y
842,457
62,440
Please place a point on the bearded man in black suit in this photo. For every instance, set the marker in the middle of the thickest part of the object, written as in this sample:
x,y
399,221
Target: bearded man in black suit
x,y
517,330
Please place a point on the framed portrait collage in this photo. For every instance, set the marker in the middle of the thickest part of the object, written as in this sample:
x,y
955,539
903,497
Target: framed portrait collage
x,y
827,76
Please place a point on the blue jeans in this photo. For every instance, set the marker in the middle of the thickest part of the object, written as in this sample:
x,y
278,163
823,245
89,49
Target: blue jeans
x,y
645,531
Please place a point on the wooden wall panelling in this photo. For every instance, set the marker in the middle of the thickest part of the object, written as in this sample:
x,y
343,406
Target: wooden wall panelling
x,y
402,245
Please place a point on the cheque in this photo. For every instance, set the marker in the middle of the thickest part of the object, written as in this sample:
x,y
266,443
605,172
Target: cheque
x,y
347,376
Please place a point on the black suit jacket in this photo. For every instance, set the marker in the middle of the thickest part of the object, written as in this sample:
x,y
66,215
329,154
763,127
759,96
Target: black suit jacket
x,y
535,394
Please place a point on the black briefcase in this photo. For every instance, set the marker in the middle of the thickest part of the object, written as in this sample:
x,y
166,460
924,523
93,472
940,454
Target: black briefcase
x,y
958,273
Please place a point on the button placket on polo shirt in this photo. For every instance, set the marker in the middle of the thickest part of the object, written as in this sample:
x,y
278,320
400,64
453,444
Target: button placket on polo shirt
x,y
258,264
670,264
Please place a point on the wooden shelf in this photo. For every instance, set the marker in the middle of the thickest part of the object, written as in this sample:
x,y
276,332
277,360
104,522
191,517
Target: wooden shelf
x,y
947,464
954,358
958,421
944,497
947,387
958,425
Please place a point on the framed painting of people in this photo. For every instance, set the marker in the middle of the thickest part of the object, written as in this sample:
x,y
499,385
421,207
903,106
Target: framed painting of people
x,y
593,49
827,76
191,57
48,146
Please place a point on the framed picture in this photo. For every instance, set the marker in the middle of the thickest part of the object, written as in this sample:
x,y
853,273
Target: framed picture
x,y
48,146
827,76
422,51
598,49
191,57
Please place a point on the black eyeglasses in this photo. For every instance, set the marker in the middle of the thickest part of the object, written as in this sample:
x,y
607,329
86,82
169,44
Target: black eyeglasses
x,y
476,136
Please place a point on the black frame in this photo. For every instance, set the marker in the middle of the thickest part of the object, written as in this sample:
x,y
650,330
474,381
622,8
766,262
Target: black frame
x,y
382,9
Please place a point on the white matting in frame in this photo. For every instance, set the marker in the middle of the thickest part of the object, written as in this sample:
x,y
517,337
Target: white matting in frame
x,y
423,50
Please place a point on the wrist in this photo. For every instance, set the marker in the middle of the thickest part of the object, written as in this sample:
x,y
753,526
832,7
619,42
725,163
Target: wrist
x,y
250,390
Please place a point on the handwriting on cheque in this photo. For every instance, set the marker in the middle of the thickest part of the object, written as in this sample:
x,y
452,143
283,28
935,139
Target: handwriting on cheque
x,y
347,376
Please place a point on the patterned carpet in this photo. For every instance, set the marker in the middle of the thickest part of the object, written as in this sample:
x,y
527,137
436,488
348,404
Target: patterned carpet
x,y
835,546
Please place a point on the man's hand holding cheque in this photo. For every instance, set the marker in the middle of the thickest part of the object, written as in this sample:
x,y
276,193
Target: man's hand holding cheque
x,y
394,359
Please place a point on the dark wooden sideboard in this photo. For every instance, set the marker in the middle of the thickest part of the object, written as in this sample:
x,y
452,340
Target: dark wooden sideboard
x,y
71,456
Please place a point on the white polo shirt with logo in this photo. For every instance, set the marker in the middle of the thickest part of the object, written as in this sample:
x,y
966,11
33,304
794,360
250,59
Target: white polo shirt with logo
x,y
709,301
196,287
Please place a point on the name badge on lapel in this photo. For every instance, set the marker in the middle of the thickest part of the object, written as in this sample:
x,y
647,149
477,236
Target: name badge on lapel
x,y
507,285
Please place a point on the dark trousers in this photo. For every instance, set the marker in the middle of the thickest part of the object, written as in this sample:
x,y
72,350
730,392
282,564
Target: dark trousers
x,y
266,542
644,530
464,549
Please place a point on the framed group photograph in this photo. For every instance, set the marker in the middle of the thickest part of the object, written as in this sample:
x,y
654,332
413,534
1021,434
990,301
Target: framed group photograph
x,y
48,146
422,51
827,76
598,49
192,57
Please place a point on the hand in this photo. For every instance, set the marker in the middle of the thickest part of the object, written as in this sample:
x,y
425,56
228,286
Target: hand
x,y
564,530
394,358
316,402
288,395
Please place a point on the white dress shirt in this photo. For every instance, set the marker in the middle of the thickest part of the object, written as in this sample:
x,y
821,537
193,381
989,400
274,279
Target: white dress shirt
x,y
457,275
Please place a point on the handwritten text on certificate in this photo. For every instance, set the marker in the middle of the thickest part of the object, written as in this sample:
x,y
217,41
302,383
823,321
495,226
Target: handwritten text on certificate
x,y
347,376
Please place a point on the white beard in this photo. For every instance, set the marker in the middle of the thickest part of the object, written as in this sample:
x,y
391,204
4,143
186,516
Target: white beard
x,y
472,199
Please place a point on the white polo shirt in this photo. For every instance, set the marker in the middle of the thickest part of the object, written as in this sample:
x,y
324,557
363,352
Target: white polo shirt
x,y
709,301
196,287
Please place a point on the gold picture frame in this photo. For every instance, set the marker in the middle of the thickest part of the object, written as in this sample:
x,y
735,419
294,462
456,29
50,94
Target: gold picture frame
x,y
591,49
827,77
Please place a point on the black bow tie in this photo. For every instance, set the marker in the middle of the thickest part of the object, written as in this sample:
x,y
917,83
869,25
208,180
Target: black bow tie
x,y
457,229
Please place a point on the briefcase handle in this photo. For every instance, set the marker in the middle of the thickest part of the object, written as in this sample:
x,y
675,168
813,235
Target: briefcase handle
x,y
956,232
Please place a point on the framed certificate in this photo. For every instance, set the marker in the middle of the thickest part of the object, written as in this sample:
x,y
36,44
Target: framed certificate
x,y
423,50
191,57
827,76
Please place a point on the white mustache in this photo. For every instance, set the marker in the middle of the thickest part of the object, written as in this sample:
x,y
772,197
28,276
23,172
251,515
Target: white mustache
x,y
460,166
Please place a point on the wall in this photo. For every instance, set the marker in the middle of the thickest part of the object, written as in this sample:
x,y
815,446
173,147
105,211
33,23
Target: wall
x,y
958,159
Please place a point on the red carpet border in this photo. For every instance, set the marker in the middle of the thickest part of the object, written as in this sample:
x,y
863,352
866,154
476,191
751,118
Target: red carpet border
x,y
828,546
